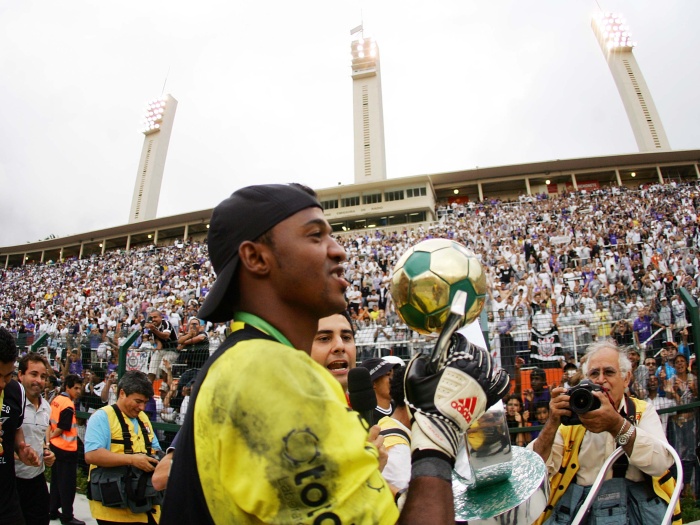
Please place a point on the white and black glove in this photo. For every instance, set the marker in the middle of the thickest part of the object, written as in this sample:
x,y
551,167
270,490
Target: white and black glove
x,y
445,403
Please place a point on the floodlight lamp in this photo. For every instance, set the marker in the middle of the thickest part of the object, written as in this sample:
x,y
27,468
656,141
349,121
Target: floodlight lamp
x,y
361,54
547,182
633,174
373,53
361,41
456,191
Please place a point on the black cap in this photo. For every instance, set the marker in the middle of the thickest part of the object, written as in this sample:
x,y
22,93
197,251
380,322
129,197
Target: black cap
x,y
377,367
245,216
538,372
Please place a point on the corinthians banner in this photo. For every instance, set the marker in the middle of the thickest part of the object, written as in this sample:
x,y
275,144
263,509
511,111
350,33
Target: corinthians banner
x,y
545,349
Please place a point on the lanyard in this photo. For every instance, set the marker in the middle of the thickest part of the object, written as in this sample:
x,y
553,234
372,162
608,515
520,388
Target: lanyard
x,y
2,399
263,326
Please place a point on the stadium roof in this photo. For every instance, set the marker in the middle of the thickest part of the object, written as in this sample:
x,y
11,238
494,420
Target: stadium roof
x,y
438,180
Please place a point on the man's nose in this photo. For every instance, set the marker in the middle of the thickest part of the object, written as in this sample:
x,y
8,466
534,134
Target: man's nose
x,y
337,251
338,345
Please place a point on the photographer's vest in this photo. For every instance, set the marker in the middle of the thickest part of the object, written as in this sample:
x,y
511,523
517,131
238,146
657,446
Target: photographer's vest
x,y
573,438
140,444
68,440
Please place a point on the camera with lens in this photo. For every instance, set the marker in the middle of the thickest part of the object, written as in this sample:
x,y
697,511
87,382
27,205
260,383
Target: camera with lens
x,y
581,401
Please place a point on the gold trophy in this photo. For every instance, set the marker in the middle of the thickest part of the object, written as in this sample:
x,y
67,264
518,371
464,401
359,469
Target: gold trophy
x,y
439,286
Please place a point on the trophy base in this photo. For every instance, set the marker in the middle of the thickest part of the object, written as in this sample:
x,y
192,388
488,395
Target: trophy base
x,y
519,499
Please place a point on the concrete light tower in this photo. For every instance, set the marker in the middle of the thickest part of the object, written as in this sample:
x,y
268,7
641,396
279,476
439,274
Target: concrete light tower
x,y
160,114
616,42
368,113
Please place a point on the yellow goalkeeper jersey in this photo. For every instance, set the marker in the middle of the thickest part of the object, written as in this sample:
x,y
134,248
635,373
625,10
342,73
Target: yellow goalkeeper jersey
x,y
276,442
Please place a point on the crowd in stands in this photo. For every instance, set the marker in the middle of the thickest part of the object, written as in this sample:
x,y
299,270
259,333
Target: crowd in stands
x,y
590,265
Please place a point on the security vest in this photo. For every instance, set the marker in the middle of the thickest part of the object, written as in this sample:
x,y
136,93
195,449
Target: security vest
x,y
138,443
68,440
573,438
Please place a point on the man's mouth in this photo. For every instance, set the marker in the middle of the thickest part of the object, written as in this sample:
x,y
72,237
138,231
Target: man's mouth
x,y
338,367
340,274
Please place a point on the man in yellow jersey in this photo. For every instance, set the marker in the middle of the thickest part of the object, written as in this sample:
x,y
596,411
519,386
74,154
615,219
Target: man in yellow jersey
x,y
64,444
575,453
268,437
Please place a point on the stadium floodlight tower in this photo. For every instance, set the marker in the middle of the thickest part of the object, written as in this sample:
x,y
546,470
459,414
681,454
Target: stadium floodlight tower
x,y
368,113
160,114
616,42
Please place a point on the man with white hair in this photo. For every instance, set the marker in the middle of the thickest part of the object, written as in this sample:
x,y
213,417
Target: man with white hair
x,y
575,453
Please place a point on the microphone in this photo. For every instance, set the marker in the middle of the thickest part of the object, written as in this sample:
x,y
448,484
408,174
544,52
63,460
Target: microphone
x,y
362,396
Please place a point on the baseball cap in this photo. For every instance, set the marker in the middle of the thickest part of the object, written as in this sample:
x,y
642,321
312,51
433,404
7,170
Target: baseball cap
x,y
538,372
377,367
244,216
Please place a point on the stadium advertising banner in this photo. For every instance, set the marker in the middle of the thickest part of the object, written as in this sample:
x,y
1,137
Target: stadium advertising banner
x,y
588,185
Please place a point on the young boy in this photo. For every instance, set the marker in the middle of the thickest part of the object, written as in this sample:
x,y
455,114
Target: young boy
x,y
541,417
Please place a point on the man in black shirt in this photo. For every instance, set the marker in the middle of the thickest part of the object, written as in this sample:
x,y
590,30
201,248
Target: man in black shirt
x,y
12,401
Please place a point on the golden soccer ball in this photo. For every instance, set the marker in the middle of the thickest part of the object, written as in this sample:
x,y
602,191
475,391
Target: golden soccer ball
x,y
426,278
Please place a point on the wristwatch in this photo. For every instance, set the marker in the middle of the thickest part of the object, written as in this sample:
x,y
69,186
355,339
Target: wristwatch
x,y
625,438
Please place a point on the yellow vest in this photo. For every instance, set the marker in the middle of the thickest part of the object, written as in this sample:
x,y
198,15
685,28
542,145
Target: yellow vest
x,y
68,440
573,437
100,512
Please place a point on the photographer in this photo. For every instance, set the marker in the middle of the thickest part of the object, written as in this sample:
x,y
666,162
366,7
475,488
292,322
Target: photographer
x,y
105,443
582,448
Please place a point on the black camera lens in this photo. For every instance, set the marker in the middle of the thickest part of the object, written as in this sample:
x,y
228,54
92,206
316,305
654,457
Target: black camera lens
x,y
582,399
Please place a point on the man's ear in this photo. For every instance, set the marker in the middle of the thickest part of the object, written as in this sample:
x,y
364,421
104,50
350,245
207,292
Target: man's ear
x,y
630,378
255,257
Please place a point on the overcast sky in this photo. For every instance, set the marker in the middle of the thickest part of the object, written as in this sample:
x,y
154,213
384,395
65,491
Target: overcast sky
x,y
265,94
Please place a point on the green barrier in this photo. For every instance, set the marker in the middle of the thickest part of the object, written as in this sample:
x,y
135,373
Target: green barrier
x,y
692,307
123,349
39,342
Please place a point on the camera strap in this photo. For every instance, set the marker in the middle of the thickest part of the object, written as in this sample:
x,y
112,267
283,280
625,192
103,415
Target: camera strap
x,y
126,435
629,412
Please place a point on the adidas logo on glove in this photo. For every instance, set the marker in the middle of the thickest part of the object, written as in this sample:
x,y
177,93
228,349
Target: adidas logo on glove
x,y
465,407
